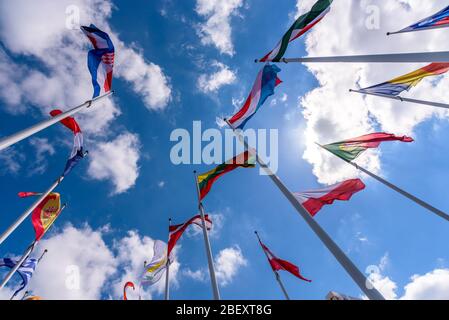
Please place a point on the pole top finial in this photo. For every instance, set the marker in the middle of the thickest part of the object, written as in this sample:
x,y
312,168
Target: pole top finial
x,y
194,171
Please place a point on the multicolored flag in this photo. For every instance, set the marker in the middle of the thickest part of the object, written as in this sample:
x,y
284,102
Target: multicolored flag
x,y
314,200
349,150
45,213
206,180
303,24
100,60
155,269
263,88
25,271
406,82
77,151
127,285
279,264
438,20
176,231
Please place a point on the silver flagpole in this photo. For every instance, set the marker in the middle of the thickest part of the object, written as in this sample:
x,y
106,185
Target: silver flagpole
x,y
402,99
276,274
21,135
167,268
28,211
25,255
377,58
210,260
358,277
397,189
421,29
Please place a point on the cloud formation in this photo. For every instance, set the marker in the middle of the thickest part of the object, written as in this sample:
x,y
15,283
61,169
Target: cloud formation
x,y
210,83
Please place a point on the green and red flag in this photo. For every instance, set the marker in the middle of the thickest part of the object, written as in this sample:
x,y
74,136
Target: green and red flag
x,y
206,180
303,24
349,150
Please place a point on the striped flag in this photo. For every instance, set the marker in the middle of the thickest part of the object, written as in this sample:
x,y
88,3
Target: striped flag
x,y
206,180
127,285
314,200
25,271
155,269
397,85
303,24
438,20
349,150
176,231
100,60
279,264
263,88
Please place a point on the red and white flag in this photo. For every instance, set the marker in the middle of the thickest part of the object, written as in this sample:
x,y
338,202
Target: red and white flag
x,y
314,200
279,264
176,231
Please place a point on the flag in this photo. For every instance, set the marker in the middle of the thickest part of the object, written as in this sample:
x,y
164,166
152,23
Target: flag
x,y
206,180
176,231
406,82
25,271
77,150
45,214
100,60
128,284
263,88
314,200
303,24
438,20
28,194
155,269
279,264
350,149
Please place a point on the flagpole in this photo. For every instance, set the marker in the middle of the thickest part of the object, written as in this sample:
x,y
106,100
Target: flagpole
x,y
213,278
277,276
358,277
21,135
28,211
420,29
402,99
167,268
416,57
396,188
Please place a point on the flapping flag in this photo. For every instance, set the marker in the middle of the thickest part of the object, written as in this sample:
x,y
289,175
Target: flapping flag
x,y
176,231
206,180
129,284
314,200
303,24
279,264
438,20
406,82
100,60
77,151
28,194
349,150
25,271
155,269
263,88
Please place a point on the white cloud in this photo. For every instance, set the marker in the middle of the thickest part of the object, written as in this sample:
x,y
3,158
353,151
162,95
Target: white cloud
x,y
430,286
200,275
161,184
208,83
227,264
331,112
217,30
43,148
10,161
117,161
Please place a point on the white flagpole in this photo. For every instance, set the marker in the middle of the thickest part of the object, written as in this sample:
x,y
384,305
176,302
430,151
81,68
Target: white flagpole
x,y
21,135
396,188
210,260
358,277
377,58
402,99
276,274
420,29
167,269
28,211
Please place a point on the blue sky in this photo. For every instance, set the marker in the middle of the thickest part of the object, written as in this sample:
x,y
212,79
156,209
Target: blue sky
x,y
377,227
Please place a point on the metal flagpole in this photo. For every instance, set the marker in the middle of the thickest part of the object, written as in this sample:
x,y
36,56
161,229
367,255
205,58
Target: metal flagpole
x,y
402,99
358,277
397,189
29,210
417,57
278,277
21,135
167,268
421,29
213,278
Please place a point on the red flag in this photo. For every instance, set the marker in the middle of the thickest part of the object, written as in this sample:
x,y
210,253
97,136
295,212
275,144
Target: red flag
x,y
176,231
28,194
279,264
128,284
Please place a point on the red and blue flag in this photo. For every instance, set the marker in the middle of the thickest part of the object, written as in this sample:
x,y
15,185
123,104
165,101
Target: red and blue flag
x,y
438,20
